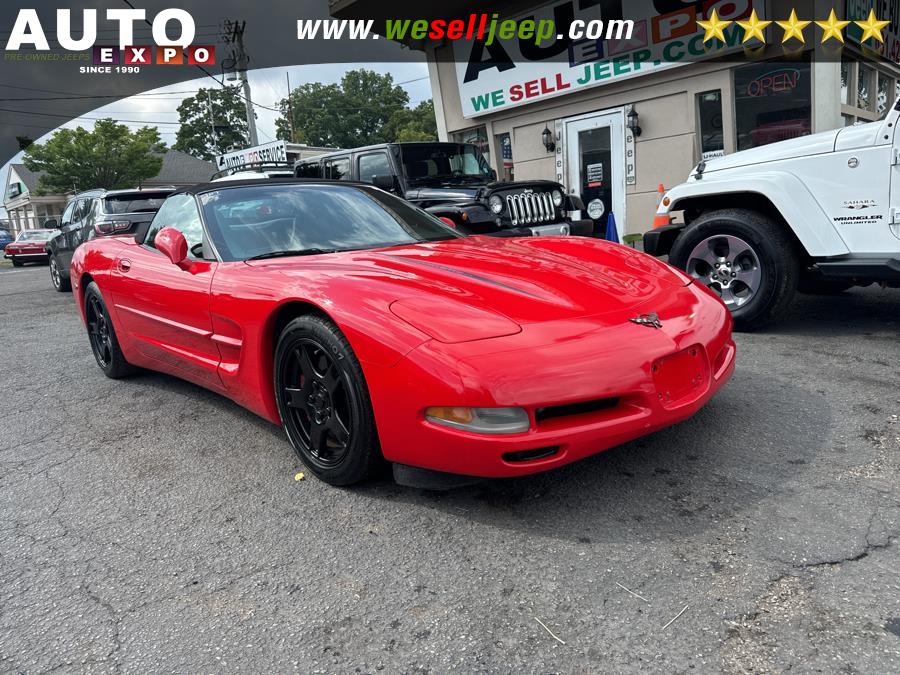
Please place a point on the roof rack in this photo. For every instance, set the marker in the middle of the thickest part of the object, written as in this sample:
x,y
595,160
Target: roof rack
x,y
259,167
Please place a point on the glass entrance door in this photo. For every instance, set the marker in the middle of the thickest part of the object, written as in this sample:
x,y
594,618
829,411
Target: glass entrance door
x,y
595,154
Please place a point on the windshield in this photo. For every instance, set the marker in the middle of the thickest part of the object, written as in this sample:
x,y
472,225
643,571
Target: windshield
x,y
255,221
443,161
35,235
135,204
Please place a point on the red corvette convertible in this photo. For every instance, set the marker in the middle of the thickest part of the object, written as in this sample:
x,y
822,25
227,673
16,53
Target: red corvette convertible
x,y
372,331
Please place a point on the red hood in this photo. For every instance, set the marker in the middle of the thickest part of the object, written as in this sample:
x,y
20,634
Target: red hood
x,y
527,280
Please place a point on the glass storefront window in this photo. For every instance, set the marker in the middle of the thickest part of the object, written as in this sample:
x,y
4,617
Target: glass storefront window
x,y
845,82
709,107
772,102
476,135
884,88
507,170
871,91
864,86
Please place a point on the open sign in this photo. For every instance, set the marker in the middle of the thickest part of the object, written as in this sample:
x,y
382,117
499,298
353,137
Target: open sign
x,y
774,82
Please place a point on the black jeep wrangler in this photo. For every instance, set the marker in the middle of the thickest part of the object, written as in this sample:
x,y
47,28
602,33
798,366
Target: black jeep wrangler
x,y
453,181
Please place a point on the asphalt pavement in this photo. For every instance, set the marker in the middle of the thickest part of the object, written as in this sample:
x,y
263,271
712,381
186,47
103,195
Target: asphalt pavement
x,y
147,525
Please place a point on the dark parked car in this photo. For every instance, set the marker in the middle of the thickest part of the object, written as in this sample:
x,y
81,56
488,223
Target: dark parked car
x,y
5,238
454,182
99,213
29,246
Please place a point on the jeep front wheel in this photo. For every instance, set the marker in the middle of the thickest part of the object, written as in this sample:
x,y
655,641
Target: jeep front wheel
x,y
746,258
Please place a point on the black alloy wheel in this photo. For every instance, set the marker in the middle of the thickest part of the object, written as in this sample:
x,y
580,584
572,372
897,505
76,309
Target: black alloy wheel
x,y
323,401
102,335
98,331
60,281
318,402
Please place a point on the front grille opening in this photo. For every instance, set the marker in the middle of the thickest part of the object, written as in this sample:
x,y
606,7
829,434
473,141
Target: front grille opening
x,y
583,408
530,455
530,207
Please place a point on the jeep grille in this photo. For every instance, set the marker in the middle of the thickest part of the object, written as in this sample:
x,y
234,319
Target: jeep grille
x,y
530,207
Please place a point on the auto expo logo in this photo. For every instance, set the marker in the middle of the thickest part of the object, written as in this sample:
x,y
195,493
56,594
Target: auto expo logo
x,y
28,32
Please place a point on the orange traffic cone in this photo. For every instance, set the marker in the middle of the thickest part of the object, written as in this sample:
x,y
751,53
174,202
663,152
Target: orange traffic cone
x,y
660,220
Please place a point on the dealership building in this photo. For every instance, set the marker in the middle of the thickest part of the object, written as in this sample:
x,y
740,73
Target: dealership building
x,y
613,119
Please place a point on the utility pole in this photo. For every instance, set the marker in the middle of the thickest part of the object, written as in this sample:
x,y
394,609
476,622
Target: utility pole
x,y
233,33
287,76
212,122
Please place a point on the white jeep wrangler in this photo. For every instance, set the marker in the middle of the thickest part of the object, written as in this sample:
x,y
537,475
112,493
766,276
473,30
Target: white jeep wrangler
x,y
817,214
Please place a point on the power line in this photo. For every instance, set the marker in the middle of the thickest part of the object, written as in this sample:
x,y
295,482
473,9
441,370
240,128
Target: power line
x,y
71,119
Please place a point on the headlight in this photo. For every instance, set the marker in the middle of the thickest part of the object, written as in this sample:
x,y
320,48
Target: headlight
x,y
495,203
481,420
557,197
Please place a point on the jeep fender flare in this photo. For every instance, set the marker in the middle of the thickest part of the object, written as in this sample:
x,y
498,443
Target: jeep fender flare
x,y
787,194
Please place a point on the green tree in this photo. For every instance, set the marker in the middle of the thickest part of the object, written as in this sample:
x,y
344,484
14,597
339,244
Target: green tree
x,y
111,156
413,124
361,110
219,108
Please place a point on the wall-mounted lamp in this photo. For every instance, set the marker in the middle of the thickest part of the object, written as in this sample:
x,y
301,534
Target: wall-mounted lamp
x,y
547,139
631,121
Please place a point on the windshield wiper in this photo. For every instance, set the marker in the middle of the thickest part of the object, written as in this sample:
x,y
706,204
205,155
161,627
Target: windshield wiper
x,y
292,252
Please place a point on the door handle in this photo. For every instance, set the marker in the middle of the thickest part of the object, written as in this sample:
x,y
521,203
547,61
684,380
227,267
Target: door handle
x,y
124,264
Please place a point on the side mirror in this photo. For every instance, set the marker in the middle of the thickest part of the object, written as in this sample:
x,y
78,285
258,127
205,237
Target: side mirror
x,y
51,223
171,243
385,182
493,174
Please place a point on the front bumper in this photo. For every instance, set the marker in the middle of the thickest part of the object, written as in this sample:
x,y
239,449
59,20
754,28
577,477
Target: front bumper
x,y
582,228
658,242
586,387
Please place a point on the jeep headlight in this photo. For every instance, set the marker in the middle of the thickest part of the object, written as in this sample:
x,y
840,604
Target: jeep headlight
x,y
556,195
495,203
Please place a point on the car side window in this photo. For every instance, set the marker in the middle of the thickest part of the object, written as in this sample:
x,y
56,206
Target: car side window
x,y
337,168
180,212
308,170
81,209
374,164
90,211
67,214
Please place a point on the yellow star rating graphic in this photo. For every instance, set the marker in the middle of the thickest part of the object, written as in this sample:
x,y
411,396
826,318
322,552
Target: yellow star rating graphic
x,y
871,27
753,28
714,28
833,28
793,28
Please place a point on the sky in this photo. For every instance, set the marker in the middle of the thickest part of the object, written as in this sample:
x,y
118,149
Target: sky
x,y
267,87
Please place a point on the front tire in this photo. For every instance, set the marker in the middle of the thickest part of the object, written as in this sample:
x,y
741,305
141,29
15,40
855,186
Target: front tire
x,y
102,336
16,263
746,258
324,402
58,278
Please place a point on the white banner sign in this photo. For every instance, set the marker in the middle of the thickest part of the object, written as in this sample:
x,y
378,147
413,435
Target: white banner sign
x,y
514,72
275,151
